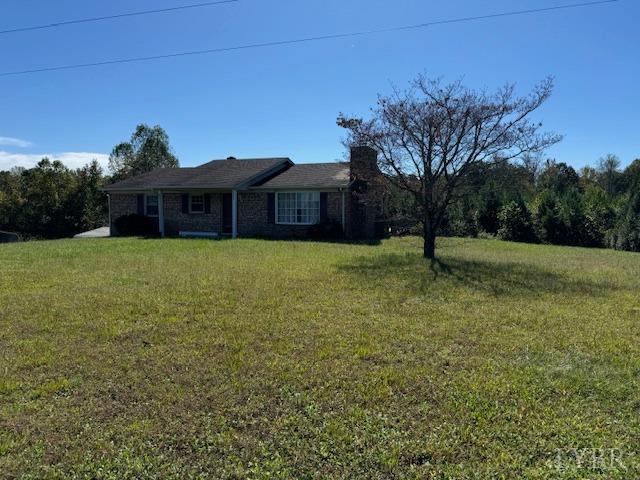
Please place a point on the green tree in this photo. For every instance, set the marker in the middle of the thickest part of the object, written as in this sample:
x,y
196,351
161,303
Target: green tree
x,y
558,177
631,174
608,169
10,198
89,203
461,219
490,205
515,223
147,149
600,213
627,232
46,191
51,201
547,217
574,220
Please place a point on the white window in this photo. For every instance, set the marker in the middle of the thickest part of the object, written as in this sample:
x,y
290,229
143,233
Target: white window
x,y
197,204
151,205
297,208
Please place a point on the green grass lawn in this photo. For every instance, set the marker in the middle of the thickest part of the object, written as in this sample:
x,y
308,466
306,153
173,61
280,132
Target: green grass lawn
x,y
131,358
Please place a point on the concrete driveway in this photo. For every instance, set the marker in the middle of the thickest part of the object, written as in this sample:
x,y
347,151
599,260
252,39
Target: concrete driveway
x,y
101,232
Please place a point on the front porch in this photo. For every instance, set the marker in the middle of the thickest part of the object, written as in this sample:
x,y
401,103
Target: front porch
x,y
213,213
178,213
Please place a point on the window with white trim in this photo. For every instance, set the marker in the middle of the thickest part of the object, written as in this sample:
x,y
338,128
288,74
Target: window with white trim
x,y
196,205
151,205
297,208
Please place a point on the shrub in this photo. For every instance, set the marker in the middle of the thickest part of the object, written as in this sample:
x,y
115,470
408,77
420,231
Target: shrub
x,y
327,230
417,229
460,220
464,227
515,223
136,226
486,236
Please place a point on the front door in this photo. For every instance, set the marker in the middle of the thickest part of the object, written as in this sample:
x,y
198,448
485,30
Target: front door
x,y
226,214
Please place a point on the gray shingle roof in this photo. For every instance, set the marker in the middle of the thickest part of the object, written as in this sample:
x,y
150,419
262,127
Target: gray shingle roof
x,y
217,174
310,175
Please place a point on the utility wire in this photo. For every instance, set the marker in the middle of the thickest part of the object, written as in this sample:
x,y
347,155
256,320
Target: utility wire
x,y
305,40
113,17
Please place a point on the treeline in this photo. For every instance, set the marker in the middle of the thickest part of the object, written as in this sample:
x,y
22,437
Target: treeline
x,y
546,202
531,201
51,200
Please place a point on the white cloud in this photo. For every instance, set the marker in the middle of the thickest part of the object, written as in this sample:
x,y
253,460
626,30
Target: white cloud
x,y
70,159
14,142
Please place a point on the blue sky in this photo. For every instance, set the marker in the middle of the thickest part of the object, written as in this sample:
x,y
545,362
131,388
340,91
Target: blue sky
x,y
283,101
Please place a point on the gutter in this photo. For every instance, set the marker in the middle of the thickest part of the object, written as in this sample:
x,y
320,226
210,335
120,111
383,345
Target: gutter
x,y
288,188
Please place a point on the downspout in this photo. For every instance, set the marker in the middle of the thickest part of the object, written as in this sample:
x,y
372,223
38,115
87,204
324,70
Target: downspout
x,y
161,213
234,214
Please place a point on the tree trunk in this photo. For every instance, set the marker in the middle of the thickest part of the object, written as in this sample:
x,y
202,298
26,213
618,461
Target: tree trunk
x,y
429,238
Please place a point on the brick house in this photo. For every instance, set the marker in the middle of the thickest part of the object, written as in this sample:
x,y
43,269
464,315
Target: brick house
x,y
268,197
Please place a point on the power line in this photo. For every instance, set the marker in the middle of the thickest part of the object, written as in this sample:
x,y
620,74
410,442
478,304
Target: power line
x,y
305,40
113,17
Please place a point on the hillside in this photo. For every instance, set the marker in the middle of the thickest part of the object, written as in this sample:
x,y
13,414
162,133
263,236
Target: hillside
x,y
129,358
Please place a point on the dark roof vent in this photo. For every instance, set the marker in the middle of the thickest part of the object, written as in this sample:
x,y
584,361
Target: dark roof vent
x,y
231,158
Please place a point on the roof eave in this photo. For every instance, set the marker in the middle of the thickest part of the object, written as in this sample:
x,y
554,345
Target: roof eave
x,y
168,189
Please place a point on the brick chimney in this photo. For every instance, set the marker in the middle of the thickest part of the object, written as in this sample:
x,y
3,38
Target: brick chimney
x,y
366,192
364,163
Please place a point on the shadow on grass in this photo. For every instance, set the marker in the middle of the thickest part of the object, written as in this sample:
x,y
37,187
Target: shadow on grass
x,y
493,278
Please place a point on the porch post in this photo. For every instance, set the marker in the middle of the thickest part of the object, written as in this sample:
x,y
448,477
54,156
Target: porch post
x,y
344,226
234,214
111,234
161,213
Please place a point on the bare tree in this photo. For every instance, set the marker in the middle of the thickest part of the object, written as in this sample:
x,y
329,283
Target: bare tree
x,y
429,136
